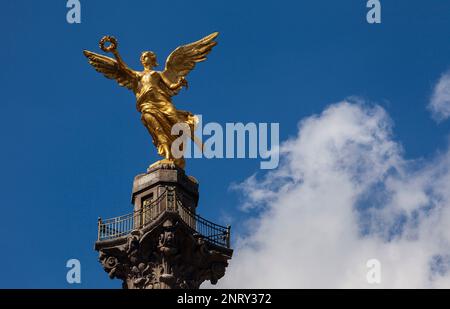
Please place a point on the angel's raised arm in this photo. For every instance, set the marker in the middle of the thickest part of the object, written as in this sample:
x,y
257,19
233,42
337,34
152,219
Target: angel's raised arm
x,y
122,65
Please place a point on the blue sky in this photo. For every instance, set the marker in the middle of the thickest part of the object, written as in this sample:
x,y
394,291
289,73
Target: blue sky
x,y
72,140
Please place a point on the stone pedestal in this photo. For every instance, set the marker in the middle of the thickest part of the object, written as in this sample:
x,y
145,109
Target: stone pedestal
x,y
163,243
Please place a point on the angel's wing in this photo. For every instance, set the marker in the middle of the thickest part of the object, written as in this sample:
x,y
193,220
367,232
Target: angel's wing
x,y
111,69
183,59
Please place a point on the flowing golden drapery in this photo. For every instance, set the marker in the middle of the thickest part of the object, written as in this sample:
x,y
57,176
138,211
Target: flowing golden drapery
x,y
154,89
159,115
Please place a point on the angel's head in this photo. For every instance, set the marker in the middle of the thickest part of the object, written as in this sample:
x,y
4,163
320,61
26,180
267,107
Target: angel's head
x,y
148,59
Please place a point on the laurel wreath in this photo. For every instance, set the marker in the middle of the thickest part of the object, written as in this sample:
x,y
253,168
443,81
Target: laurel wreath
x,y
108,39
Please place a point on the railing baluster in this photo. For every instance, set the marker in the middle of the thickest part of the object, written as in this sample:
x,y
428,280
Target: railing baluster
x,y
99,226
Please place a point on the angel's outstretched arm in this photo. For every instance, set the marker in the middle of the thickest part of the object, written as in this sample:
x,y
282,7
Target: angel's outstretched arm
x,y
174,86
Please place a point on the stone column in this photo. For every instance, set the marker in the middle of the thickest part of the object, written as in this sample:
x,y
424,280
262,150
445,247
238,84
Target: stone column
x,y
165,248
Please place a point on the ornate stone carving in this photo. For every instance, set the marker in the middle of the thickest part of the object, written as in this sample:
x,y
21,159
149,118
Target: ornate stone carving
x,y
159,245
164,255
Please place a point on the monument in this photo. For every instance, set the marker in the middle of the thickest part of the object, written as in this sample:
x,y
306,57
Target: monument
x,y
163,243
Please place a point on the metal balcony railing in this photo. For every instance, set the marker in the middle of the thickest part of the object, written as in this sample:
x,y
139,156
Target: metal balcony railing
x,y
167,201
210,231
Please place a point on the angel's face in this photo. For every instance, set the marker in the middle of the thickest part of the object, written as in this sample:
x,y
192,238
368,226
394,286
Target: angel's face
x,y
148,60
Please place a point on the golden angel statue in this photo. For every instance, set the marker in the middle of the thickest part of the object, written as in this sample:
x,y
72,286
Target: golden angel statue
x,y
154,89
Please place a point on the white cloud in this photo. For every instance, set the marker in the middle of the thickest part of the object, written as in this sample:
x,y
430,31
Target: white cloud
x,y
342,195
440,100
